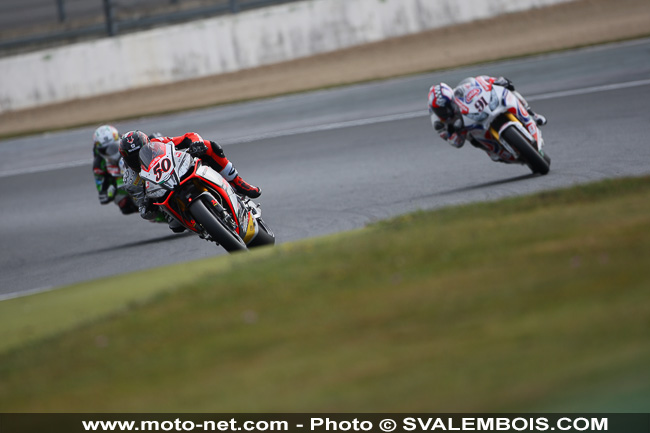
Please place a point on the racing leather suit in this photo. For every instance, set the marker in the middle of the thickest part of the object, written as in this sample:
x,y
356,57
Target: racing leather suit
x,y
108,186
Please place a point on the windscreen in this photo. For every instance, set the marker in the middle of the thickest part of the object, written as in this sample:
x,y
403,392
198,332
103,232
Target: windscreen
x,y
150,152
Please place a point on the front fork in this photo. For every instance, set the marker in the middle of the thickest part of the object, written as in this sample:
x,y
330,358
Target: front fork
x,y
512,120
212,203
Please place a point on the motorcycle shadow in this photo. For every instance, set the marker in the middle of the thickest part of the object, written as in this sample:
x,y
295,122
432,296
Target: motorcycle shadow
x,y
129,245
488,184
145,242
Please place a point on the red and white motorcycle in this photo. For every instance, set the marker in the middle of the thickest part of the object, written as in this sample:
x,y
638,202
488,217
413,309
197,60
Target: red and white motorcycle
x,y
201,199
497,121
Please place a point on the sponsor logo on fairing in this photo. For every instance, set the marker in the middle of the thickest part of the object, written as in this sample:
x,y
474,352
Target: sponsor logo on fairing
x,y
487,86
522,111
471,95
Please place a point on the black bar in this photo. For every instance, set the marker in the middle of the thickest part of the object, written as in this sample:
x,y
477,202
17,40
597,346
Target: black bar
x,y
52,37
324,422
180,16
60,7
234,6
110,22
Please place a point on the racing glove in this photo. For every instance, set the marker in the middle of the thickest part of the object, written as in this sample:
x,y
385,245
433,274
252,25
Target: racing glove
x,y
197,149
441,129
148,210
451,132
456,133
504,82
107,195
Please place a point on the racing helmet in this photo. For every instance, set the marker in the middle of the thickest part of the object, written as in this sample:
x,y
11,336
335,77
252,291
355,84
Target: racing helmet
x,y
130,146
106,140
441,101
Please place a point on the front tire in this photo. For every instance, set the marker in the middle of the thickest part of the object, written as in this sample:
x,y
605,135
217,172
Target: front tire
x,y
537,162
216,228
264,237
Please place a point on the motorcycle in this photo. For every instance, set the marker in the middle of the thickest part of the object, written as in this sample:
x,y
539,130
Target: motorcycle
x,y
198,197
496,120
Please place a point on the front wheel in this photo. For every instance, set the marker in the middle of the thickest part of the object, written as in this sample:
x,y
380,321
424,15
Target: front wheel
x,y
537,162
264,237
216,228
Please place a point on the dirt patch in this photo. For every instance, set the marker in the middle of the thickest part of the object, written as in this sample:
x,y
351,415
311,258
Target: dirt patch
x,y
558,27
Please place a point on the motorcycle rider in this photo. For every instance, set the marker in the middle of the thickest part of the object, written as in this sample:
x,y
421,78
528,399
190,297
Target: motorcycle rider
x,y
208,151
449,122
106,141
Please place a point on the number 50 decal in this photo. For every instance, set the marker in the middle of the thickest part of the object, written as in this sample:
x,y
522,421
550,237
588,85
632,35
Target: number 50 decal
x,y
161,168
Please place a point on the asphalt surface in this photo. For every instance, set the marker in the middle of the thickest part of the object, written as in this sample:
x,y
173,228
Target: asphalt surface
x,y
327,161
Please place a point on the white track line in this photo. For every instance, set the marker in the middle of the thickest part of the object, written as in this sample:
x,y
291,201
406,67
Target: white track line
x,y
586,90
14,295
48,167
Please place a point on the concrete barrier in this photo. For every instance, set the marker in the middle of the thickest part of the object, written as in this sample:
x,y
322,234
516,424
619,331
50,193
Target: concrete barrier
x,y
226,44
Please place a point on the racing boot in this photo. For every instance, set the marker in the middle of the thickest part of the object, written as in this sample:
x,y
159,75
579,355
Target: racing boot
x,y
176,226
244,188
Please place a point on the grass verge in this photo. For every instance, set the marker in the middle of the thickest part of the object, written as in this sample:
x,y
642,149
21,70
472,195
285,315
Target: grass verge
x,y
527,304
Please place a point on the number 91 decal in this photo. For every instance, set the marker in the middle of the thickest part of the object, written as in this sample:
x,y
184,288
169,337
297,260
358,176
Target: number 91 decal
x,y
480,104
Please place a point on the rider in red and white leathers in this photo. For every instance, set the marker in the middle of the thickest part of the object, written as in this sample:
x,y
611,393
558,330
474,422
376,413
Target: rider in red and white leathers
x,y
212,154
448,121
208,151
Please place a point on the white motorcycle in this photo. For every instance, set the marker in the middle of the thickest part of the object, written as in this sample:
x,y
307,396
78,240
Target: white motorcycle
x,y
496,120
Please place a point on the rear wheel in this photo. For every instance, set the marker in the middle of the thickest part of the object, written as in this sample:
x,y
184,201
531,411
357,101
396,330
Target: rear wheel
x,y
216,228
536,161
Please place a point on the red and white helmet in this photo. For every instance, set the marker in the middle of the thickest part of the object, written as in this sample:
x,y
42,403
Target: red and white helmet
x,y
441,101
130,146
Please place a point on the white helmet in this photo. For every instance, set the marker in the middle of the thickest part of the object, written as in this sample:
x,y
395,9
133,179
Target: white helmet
x,y
105,135
106,140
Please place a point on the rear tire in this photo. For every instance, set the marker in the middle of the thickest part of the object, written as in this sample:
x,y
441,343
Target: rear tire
x,y
537,162
216,228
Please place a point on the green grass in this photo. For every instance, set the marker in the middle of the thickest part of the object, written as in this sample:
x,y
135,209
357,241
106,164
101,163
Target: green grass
x,y
529,304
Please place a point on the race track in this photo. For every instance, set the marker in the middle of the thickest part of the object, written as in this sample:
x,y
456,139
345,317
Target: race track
x,y
327,161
